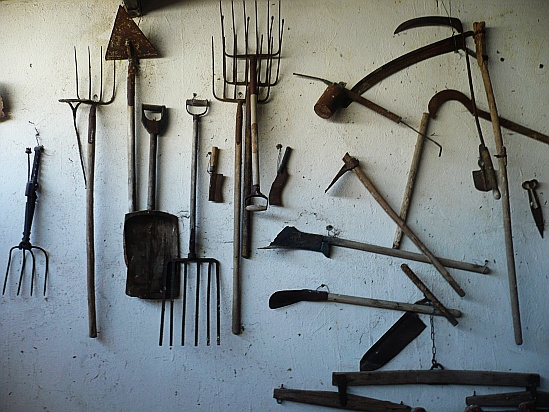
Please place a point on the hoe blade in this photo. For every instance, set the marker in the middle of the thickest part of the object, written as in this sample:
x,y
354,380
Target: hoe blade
x,y
125,32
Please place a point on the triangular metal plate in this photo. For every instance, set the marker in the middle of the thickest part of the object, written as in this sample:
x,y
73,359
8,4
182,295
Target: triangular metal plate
x,y
125,30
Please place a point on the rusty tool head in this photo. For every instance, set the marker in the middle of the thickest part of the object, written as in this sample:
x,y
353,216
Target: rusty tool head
x,y
127,40
350,164
334,99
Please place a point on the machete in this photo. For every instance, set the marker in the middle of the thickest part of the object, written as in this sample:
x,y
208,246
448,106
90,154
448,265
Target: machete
x,y
449,94
292,238
283,298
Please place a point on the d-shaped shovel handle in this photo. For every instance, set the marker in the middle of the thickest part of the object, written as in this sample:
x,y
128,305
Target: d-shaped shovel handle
x,y
154,125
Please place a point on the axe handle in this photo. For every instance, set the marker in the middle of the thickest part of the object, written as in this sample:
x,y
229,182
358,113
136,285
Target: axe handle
x,y
482,59
410,185
428,294
407,231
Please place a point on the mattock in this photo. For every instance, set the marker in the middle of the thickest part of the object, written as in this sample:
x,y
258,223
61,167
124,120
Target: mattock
x,y
352,164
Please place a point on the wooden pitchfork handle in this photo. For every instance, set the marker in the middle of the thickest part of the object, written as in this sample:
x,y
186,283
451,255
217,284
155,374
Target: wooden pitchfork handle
x,y
482,59
352,164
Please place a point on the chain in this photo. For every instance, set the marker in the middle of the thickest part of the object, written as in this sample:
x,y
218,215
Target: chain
x,y
434,363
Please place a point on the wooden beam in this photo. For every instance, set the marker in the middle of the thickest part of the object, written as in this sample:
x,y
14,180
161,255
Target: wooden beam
x,y
456,377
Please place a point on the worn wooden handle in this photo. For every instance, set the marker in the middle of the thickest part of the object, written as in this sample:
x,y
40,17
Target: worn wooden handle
x,y
396,218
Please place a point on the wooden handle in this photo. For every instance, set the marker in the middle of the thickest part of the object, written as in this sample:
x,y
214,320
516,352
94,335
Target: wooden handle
x,y
237,197
428,294
90,242
214,153
410,185
480,43
396,218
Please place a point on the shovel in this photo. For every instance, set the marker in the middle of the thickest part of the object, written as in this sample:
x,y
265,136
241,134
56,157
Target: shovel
x,y
151,237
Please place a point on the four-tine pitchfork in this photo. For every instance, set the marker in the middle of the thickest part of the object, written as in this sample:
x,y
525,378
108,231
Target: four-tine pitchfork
x,y
25,245
93,100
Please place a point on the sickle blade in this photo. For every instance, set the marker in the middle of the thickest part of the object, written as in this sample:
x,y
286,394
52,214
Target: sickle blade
x,y
430,21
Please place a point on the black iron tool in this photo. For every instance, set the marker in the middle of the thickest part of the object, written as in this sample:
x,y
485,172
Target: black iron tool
x,y
535,207
404,331
25,245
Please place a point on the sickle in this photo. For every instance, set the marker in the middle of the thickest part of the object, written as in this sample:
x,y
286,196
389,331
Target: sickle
x,y
446,95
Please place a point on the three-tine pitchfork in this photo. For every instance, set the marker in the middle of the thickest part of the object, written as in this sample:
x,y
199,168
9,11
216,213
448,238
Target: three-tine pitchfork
x,y
25,245
93,100
247,70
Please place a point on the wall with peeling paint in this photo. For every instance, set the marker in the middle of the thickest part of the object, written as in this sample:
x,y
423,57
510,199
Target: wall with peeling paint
x,y
47,361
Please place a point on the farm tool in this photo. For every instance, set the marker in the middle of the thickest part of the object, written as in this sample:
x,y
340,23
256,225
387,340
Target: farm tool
x,y
530,186
196,108
25,245
482,60
93,100
151,237
275,194
450,94
127,41
246,72
292,238
284,298
350,163
215,193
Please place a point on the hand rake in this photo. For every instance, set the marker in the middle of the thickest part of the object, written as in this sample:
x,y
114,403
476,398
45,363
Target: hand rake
x,y
93,100
25,245
196,108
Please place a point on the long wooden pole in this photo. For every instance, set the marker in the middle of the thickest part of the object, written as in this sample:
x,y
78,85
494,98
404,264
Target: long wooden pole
x,y
482,59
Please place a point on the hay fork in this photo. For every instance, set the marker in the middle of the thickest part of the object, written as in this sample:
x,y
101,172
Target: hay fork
x,y
93,100
25,245
252,68
197,109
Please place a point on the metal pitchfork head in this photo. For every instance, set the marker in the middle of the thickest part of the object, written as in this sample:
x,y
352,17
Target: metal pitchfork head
x,y
25,245
236,63
191,300
91,99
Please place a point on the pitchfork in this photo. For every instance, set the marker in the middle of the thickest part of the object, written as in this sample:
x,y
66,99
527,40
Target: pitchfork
x,y
94,100
196,108
25,245
243,75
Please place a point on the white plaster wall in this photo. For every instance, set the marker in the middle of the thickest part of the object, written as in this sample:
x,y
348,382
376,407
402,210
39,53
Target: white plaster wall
x,y
47,360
